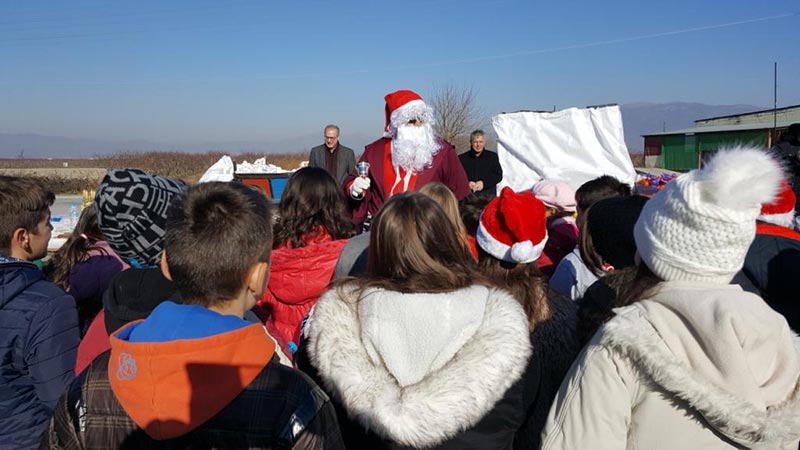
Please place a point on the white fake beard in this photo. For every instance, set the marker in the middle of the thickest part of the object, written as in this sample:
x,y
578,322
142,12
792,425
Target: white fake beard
x,y
413,148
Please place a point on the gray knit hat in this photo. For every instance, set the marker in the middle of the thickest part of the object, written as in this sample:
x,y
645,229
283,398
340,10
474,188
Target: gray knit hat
x,y
132,213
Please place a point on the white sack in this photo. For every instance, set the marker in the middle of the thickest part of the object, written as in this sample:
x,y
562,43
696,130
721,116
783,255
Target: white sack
x,y
222,170
573,145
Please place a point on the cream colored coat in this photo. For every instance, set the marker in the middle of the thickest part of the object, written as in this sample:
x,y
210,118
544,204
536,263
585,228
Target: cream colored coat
x,y
697,366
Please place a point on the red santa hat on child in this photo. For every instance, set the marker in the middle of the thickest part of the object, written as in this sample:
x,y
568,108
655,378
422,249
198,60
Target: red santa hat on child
x,y
513,227
405,105
781,210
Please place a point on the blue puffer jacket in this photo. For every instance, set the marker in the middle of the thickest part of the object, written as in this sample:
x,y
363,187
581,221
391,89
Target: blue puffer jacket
x,y
38,344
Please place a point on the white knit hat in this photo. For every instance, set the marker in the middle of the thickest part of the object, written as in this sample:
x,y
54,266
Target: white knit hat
x,y
700,226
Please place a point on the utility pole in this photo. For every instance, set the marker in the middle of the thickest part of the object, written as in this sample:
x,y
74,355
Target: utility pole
x,y
775,98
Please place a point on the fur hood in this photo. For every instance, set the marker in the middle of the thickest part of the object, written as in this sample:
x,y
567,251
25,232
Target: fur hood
x,y
722,351
484,354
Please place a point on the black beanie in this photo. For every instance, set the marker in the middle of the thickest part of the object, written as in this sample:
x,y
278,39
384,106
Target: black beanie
x,y
610,222
133,294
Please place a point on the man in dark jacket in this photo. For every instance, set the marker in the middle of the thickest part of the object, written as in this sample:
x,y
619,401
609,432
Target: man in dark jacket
x,y
38,321
482,166
197,375
332,156
787,149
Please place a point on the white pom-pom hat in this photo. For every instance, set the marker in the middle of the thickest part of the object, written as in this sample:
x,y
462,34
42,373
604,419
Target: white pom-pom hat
x,y
513,227
700,226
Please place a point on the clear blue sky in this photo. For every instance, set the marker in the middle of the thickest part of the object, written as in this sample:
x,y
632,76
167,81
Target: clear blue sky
x,y
196,71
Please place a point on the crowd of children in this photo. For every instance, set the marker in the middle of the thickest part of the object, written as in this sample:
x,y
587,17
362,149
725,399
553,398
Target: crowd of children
x,y
202,316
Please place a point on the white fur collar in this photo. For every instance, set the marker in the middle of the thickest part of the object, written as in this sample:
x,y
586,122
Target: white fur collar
x,y
446,401
634,337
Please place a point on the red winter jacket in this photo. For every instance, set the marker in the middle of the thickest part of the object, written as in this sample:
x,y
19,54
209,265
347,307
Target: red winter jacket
x,y
298,277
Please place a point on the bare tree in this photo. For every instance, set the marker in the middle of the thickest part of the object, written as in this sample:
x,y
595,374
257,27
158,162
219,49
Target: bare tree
x,y
456,112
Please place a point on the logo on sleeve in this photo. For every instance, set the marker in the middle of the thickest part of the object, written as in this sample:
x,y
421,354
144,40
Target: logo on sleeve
x,y
126,367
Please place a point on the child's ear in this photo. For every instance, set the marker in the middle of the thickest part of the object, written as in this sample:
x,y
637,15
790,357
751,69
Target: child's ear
x,y
20,243
165,266
259,276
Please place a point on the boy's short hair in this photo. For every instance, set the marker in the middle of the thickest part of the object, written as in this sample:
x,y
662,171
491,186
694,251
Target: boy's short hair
x,y
24,203
216,232
598,189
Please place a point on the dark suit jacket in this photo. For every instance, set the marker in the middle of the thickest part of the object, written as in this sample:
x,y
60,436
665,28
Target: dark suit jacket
x,y
346,160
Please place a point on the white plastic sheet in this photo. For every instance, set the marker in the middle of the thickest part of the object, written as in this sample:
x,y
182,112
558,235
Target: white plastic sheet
x,y
573,145
223,170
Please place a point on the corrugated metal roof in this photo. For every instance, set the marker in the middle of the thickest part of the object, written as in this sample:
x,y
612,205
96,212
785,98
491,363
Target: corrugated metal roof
x,y
721,128
751,113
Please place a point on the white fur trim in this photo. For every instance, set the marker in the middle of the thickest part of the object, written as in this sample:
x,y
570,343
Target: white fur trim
x,y
506,252
784,220
415,109
633,337
447,401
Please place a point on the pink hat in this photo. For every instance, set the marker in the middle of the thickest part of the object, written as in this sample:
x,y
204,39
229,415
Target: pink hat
x,y
513,227
555,194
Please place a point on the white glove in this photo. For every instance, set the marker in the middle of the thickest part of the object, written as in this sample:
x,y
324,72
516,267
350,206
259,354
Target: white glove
x,y
358,187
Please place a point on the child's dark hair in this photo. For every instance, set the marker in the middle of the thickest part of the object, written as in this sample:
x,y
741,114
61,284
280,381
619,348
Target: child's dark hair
x,y
216,232
24,203
595,190
621,288
79,243
470,208
311,200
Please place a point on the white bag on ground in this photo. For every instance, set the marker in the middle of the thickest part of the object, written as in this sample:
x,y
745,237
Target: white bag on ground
x,y
573,145
222,170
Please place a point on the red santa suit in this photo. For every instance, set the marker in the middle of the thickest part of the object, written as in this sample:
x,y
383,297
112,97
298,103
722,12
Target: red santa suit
x,y
386,179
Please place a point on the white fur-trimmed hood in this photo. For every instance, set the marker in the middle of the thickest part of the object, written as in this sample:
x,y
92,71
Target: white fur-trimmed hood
x,y
743,409
446,401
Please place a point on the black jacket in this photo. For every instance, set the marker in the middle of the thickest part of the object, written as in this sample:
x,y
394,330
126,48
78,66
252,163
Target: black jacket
x,y
555,347
485,167
771,264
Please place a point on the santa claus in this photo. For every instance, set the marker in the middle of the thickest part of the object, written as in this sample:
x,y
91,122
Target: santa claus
x,y
408,157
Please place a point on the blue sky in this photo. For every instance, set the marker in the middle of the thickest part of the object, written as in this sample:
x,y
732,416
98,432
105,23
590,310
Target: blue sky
x,y
198,71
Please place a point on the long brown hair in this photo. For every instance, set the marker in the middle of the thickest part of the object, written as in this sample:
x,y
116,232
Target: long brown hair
x,y
443,196
414,247
525,282
76,249
591,258
311,203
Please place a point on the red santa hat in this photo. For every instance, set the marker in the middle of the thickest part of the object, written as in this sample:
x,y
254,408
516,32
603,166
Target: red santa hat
x,y
403,100
513,227
781,210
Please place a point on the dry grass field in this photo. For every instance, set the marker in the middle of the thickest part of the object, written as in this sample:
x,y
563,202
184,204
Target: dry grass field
x,y
71,176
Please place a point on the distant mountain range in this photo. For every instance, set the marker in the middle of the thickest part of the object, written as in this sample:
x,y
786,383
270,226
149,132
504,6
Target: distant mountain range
x,y
638,119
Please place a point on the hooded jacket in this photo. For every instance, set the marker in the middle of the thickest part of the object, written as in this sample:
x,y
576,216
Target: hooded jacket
x,y
132,295
200,384
38,339
775,251
422,370
695,366
298,277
